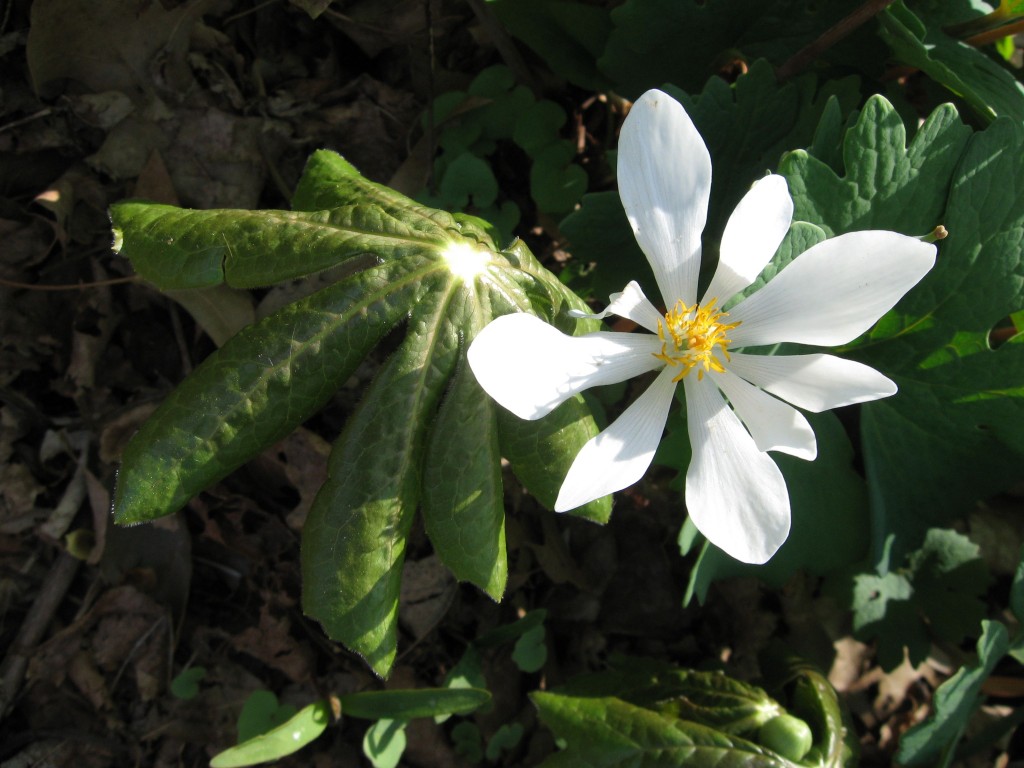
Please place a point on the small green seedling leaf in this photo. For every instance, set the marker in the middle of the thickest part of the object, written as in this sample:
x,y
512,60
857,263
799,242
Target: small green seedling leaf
x,y
384,743
506,633
405,705
530,652
261,713
278,742
185,685
504,739
467,673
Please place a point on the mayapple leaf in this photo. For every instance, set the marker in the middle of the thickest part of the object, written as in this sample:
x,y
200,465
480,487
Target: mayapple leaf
x,y
423,434
353,542
180,248
258,387
541,452
709,698
813,699
330,181
338,215
463,503
609,733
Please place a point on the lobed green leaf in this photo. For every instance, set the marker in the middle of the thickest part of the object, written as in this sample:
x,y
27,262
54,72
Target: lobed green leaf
x,y
934,345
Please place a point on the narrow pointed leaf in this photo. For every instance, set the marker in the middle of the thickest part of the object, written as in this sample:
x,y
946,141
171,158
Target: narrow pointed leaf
x,y
258,387
287,738
463,503
354,540
181,248
407,704
930,742
330,181
542,451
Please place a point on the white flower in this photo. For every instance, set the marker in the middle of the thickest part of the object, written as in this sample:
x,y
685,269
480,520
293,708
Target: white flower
x,y
828,295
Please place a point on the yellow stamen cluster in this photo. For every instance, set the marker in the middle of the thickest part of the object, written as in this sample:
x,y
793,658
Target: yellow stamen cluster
x,y
689,336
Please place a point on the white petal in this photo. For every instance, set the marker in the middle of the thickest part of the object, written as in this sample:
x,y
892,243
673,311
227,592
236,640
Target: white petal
x,y
735,494
664,172
630,303
752,236
620,455
834,291
813,382
774,425
531,367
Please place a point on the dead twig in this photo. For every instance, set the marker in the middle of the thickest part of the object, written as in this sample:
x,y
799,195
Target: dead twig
x,y
800,60
51,594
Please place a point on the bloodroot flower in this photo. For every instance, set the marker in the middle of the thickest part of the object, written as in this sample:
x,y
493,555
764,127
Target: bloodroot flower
x,y
735,407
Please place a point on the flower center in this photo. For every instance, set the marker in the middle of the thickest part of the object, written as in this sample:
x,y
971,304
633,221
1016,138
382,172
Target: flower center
x,y
689,336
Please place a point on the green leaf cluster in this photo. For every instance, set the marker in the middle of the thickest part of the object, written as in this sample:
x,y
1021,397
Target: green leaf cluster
x,y
494,113
952,434
631,46
424,436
